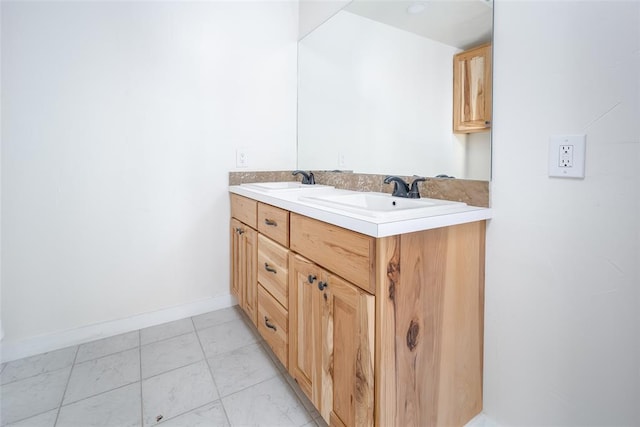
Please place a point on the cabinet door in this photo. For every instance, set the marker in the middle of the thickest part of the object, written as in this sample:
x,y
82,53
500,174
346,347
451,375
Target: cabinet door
x,y
236,289
331,343
304,324
244,253
237,230
347,329
472,90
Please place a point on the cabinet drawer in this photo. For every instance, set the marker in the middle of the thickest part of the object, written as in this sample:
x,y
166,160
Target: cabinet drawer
x,y
244,209
344,252
273,269
274,222
273,325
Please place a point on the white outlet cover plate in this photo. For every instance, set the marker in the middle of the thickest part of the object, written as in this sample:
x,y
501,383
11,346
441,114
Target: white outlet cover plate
x,y
242,158
579,143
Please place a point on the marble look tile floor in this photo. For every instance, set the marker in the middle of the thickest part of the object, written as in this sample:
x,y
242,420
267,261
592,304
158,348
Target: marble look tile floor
x,y
208,370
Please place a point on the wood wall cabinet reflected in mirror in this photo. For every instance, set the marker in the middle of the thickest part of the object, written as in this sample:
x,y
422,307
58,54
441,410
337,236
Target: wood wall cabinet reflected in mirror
x,y
472,90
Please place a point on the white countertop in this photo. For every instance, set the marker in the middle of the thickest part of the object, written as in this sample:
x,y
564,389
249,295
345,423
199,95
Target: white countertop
x,y
375,227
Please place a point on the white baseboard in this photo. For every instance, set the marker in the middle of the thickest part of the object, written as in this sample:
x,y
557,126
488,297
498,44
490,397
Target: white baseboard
x,y
31,346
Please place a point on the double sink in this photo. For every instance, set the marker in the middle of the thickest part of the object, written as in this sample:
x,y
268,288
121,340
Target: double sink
x,y
381,206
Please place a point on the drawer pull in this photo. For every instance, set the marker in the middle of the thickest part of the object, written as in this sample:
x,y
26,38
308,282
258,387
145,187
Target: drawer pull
x,y
269,268
322,285
311,278
270,222
269,325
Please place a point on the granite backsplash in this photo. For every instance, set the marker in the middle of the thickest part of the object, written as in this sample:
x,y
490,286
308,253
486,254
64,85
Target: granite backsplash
x,y
471,192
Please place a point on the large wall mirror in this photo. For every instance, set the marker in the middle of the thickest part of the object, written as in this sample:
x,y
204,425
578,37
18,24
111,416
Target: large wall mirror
x,y
375,89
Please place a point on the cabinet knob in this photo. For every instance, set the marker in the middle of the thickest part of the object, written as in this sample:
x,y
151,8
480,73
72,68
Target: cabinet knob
x,y
322,285
311,278
239,230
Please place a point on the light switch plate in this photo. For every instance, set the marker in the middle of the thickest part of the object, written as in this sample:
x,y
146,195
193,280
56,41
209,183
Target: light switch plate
x,y
567,156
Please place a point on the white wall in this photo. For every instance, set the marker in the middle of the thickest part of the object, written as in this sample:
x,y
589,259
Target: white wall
x,y
477,156
120,125
563,256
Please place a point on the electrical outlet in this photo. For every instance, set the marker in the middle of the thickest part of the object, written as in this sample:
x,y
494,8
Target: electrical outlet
x,y
242,158
567,156
341,160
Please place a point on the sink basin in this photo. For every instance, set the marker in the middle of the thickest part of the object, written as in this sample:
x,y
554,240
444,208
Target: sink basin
x,y
284,185
382,205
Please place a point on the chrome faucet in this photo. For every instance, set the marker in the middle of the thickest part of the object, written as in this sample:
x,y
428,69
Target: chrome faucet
x,y
307,178
402,189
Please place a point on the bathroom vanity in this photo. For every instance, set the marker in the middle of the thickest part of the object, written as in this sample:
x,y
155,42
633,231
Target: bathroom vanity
x,y
376,312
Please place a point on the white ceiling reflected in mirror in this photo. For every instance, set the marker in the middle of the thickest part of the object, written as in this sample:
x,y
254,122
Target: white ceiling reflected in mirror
x,y
375,89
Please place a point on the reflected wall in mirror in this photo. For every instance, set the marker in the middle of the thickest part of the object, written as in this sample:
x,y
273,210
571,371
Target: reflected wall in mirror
x,y
377,97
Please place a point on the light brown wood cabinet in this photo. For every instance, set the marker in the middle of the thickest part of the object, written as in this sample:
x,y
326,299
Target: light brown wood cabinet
x,y
381,332
472,90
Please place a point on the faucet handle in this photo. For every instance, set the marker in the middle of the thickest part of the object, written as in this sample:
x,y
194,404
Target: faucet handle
x,y
414,192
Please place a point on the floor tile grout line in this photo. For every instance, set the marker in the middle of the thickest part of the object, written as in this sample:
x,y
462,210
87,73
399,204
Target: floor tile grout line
x,y
39,373
239,316
262,342
282,377
36,375
100,394
206,361
106,355
259,344
221,323
278,374
173,369
166,338
29,417
66,386
231,351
